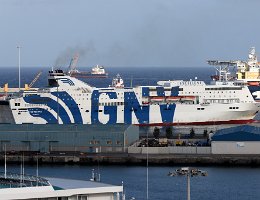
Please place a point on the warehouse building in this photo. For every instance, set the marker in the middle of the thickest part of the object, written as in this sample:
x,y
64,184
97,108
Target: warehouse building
x,y
236,140
67,137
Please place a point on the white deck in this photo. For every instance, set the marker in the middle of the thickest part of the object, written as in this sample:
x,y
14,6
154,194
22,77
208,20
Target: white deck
x,y
70,188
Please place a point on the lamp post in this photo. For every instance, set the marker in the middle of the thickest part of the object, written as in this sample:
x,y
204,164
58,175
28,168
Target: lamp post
x,y
188,172
19,66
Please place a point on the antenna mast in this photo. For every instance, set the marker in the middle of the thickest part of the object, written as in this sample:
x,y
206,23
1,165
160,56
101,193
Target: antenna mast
x,y
5,161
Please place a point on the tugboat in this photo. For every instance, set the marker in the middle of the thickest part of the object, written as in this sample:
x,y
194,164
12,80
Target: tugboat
x,y
117,82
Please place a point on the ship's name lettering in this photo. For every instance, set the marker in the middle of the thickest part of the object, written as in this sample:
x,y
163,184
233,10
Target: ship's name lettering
x,y
191,83
131,106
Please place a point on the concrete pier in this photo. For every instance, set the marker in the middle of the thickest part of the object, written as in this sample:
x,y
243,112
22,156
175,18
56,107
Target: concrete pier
x,y
136,159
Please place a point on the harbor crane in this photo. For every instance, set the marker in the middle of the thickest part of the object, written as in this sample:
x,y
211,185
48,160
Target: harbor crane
x,y
35,79
73,64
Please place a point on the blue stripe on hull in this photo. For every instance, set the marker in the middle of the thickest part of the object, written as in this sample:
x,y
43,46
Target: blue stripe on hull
x,y
71,104
54,105
44,114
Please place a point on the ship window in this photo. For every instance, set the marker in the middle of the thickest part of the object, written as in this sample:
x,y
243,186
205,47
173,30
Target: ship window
x,y
237,107
87,110
17,104
230,107
109,142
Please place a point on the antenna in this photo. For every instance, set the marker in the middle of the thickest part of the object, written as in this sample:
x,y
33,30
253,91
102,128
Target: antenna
x,y
23,167
5,161
37,170
21,172
19,65
147,168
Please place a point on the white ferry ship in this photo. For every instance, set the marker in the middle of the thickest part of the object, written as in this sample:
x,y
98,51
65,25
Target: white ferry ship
x,y
69,100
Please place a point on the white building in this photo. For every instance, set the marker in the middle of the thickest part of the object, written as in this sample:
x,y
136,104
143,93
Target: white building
x,y
237,140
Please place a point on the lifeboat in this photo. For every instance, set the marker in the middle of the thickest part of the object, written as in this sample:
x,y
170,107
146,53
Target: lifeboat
x,y
157,99
253,83
145,102
180,98
188,98
173,98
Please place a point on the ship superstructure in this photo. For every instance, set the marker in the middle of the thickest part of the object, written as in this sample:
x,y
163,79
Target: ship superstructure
x,y
69,100
249,71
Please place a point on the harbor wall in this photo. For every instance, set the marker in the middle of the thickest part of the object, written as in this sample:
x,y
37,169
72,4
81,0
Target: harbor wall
x,y
135,159
170,150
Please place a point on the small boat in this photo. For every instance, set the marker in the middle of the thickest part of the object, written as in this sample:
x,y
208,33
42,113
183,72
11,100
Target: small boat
x,y
117,82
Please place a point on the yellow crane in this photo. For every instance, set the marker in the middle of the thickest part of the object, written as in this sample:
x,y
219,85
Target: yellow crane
x,y
33,81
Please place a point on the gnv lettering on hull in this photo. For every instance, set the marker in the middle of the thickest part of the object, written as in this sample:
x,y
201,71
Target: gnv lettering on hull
x,y
108,110
167,111
132,105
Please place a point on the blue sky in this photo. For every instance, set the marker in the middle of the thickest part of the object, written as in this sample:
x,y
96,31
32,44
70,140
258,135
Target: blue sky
x,y
127,32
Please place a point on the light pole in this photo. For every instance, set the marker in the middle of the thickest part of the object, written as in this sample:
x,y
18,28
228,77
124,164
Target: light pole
x,y
19,66
147,167
189,172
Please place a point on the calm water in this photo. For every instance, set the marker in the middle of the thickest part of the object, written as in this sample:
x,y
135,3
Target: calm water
x,y
138,75
221,183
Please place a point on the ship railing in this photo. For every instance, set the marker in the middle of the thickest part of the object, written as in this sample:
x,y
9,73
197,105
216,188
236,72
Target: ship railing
x,y
14,180
43,90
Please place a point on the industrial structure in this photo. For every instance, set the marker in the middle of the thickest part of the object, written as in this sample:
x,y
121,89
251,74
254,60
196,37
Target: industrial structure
x,y
67,137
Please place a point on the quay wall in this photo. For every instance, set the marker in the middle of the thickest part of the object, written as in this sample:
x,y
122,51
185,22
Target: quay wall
x,y
137,159
170,150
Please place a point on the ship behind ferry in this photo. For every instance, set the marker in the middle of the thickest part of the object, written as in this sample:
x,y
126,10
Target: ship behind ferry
x,y
96,72
69,100
246,71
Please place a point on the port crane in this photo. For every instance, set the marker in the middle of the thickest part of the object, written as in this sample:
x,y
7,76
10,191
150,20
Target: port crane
x,y
73,64
35,79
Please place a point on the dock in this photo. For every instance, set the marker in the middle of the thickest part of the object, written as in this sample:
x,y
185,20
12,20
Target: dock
x,y
134,159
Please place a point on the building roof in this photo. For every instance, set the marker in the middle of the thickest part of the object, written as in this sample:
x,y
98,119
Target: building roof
x,y
239,133
59,188
73,184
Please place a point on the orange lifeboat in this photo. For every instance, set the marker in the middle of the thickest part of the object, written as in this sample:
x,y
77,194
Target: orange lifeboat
x,y
180,98
188,98
173,98
253,83
157,99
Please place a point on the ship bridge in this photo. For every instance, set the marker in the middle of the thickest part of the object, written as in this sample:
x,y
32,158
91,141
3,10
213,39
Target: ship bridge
x,y
60,81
